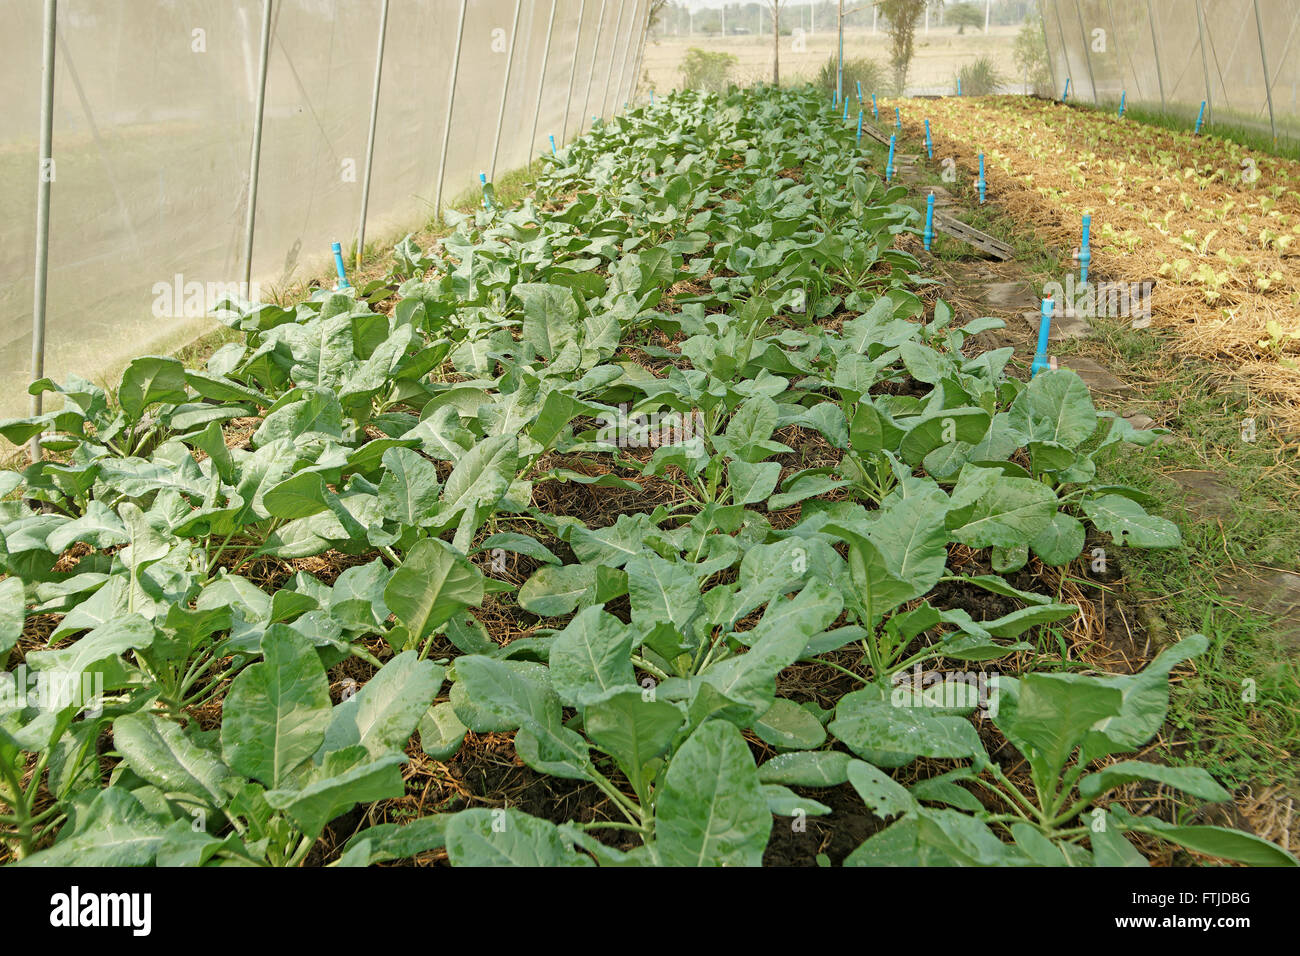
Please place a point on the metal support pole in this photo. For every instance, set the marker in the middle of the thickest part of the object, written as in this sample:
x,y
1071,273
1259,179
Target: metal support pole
x,y
613,51
370,138
505,90
640,52
541,83
595,55
263,58
621,85
1263,59
620,81
44,177
1205,62
1051,64
1060,31
1155,48
1087,51
839,70
451,105
573,72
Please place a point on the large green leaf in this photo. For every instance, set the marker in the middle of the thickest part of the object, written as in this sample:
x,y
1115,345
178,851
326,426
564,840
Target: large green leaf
x,y
868,723
277,711
13,614
433,584
1128,523
504,837
1052,715
160,752
1055,407
632,729
345,778
115,830
382,716
591,656
1195,781
1011,513
149,380
1210,840
408,491
711,810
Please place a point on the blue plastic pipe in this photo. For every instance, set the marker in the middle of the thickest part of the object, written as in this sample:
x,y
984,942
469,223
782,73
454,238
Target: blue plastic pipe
x,y
928,235
929,144
552,144
889,165
1085,254
338,266
1044,330
875,110
1123,96
1200,117
959,86
846,109
859,126
1066,95
652,97
982,184
898,119
859,92
482,178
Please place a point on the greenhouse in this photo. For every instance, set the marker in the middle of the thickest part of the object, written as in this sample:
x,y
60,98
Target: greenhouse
x,y
650,433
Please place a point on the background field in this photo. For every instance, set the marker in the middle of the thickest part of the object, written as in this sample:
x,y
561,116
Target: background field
x,y
939,54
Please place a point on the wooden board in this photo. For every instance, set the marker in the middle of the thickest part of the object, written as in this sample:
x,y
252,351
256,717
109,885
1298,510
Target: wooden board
x,y
951,226
995,248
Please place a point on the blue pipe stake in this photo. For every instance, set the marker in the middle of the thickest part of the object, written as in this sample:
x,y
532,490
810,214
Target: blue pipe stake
x,y
928,235
875,110
889,164
1044,330
1066,95
929,144
1085,254
482,178
1123,97
652,97
859,82
338,266
859,126
846,109
1200,117
898,119
959,86
982,183
553,144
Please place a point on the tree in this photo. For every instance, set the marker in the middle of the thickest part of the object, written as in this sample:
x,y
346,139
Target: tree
x,y
965,15
1030,53
774,7
655,11
902,16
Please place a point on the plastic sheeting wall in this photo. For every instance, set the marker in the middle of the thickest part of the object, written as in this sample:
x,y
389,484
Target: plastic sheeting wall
x,y
1174,54
154,110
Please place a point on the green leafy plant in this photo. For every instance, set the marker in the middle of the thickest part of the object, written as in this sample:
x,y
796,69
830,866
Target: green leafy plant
x,y
707,70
